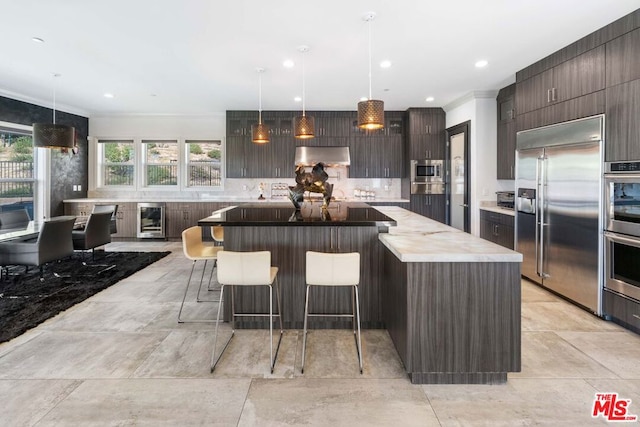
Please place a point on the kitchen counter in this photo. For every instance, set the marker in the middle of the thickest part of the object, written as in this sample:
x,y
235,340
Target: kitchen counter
x,y
497,209
420,239
342,214
226,199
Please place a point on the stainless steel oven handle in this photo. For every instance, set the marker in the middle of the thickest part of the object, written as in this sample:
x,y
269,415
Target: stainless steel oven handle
x,y
635,242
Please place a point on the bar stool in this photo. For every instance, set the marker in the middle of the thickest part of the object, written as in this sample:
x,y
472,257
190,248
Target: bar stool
x,y
247,269
325,269
195,250
217,232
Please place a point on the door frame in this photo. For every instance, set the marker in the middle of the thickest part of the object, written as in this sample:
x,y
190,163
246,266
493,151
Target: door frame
x,y
463,127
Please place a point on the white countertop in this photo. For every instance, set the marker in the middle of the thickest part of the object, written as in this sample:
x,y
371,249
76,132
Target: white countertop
x,y
496,209
419,239
225,199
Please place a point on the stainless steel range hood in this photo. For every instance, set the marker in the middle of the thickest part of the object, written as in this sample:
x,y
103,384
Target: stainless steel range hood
x,y
330,156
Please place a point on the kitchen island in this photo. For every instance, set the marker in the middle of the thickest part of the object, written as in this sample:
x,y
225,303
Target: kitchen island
x,y
450,300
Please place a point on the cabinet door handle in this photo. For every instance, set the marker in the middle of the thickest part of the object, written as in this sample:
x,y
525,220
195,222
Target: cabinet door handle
x,y
553,94
366,172
548,95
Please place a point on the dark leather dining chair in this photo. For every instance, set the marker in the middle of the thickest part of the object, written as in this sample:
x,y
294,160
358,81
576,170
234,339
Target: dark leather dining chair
x,y
14,219
108,208
96,232
53,243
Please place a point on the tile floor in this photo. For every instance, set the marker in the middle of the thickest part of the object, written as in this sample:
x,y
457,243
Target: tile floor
x,y
120,359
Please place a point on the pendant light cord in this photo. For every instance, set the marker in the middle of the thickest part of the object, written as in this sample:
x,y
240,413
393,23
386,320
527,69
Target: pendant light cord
x,y
370,93
260,97
55,75
303,85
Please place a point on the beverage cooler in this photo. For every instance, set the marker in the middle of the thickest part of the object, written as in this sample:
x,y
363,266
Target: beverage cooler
x,y
151,221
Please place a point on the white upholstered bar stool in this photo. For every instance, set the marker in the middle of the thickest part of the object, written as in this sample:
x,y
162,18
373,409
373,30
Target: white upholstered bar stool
x,y
195,250
330,269
247,269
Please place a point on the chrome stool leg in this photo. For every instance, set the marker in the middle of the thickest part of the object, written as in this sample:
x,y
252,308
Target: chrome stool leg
x,y
214,360
186,290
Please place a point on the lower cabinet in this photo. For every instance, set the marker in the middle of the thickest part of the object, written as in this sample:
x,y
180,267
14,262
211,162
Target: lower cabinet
x,y
497,228
125,215
432,206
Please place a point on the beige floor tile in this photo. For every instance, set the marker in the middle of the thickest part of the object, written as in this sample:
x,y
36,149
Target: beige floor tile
x,y
520,402
336,402
618,351
78,355
24,402
535,293
332,354
547,355
151,402
561,316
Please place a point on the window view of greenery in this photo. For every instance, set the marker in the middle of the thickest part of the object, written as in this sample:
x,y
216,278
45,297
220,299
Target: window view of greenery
x,y
16,171
161,162
204,163
117,162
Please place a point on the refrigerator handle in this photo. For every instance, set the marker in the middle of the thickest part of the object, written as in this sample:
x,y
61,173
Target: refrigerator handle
x,y
542,196
539,217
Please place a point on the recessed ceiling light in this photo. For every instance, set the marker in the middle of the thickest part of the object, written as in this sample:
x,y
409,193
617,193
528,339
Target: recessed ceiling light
x,y
37,39
482,64
298,99
288,63
385,64
430,99
108,95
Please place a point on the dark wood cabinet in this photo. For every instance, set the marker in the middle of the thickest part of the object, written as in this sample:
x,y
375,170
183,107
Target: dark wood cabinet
x,y
623,58
563,92
506,142
432,206
622,122
425,133
126,216
497,228
376,157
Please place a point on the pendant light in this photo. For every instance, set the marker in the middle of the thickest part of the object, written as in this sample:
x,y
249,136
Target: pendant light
x,y
370,111
260,131
303,126
52,135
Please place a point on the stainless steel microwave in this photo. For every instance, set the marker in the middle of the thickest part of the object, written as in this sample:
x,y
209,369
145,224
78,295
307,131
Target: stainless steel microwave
x,y
427,171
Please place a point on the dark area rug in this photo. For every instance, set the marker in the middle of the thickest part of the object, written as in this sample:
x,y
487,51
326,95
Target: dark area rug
x,y
26,301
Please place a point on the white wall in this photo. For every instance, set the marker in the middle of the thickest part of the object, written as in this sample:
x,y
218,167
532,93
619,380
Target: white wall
x,y
479,108
208,127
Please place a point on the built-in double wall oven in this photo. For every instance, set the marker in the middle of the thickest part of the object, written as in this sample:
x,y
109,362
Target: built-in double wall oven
x,y
622,238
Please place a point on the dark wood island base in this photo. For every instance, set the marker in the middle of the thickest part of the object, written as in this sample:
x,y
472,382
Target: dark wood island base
x,y
450,301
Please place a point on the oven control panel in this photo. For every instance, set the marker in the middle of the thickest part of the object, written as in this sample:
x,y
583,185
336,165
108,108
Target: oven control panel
x,y
623,167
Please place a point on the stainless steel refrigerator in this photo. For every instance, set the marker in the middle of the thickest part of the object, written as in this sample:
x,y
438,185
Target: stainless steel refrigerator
x,y
559,206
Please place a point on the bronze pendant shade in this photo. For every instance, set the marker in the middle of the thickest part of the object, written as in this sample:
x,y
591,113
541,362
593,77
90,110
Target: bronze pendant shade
x,y
260,131
371,114
51,135
303,127
370,111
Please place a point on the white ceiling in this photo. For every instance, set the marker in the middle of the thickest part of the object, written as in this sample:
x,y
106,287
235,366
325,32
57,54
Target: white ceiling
x,y
192,57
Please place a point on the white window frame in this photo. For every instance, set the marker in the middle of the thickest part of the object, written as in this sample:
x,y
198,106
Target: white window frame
x,y
187,164
144,163
99,178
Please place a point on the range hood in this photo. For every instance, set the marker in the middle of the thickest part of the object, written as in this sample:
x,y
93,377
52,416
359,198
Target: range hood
x,y
330,156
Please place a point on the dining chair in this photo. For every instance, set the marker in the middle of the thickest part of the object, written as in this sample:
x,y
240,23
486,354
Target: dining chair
x,y
113,226
247,269
96,232
14,218
333,269
53,243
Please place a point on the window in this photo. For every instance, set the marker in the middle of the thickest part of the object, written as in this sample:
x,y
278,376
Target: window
x,y
17,169
117,160
161,163
204,163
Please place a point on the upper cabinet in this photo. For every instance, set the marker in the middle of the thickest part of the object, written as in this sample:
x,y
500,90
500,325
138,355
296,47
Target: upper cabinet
x,y
506,143
623,59
570,79
425,133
